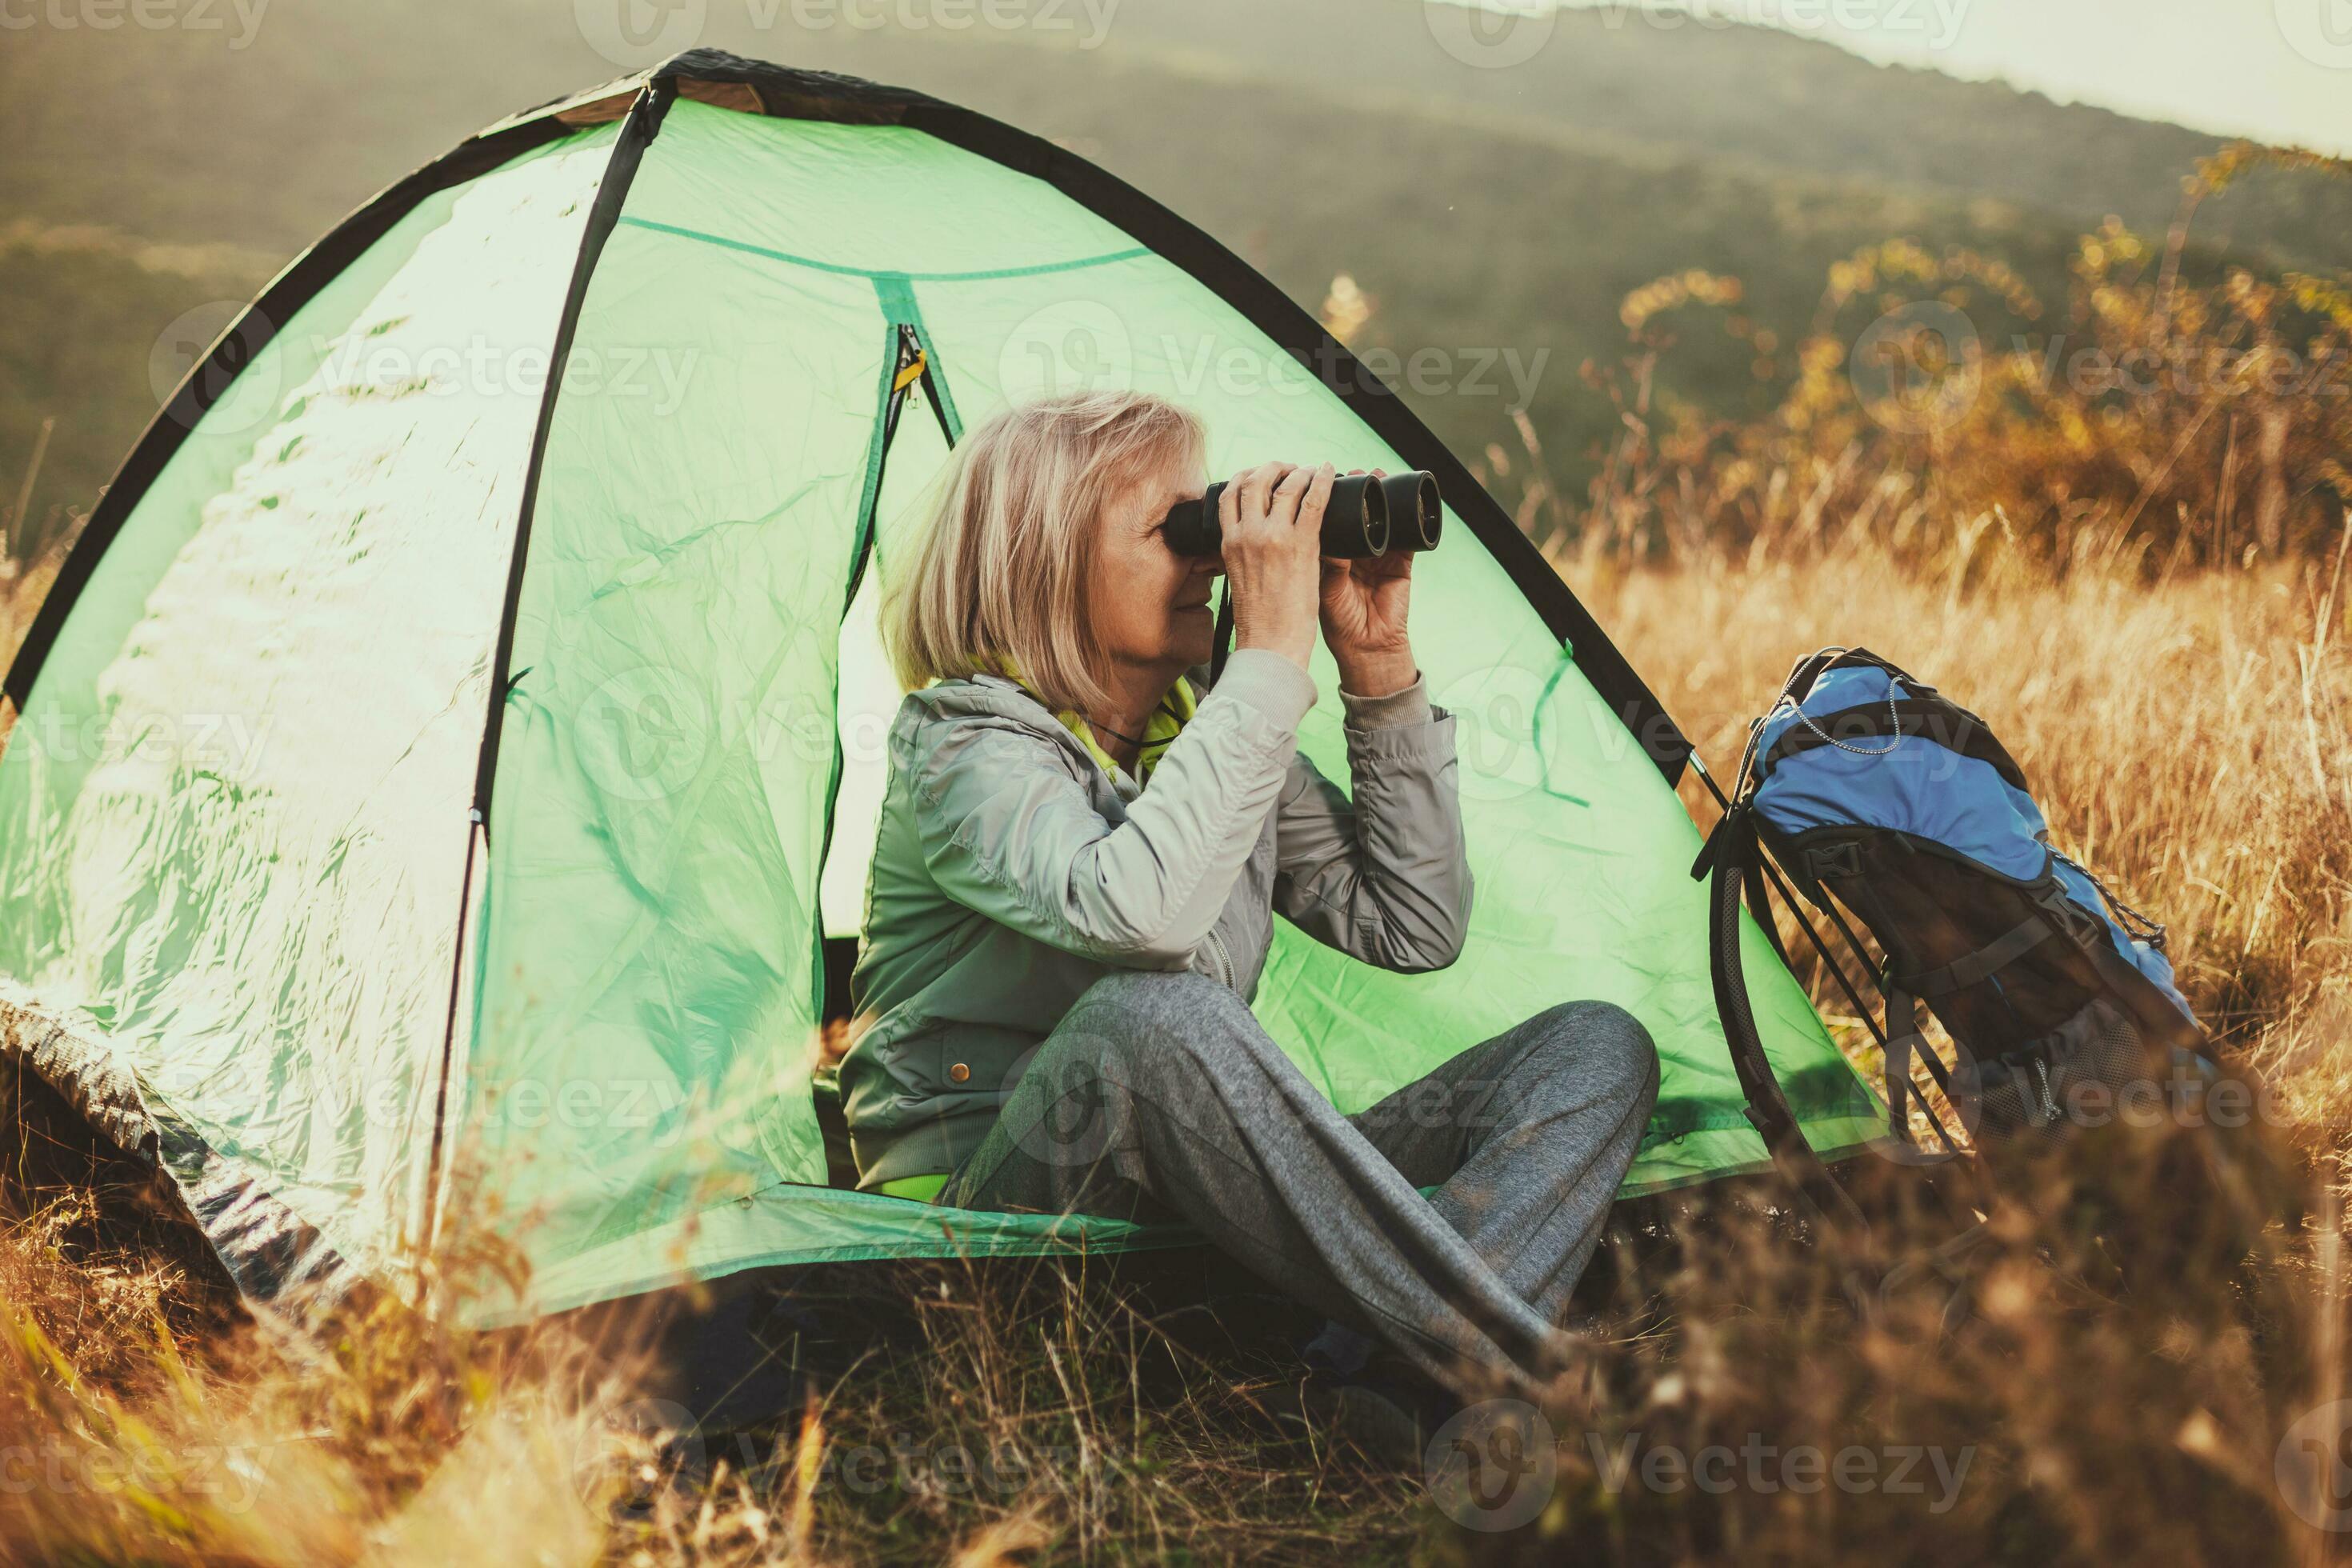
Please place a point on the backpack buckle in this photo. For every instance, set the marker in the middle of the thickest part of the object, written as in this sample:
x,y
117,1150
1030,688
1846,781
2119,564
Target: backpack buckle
x,y
2084,928
1840,859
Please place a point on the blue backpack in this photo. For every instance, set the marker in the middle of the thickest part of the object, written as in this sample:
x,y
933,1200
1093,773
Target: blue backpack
x,y
1874,792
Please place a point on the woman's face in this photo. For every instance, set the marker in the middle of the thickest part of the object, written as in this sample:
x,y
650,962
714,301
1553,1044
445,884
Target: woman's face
x,y
1151,605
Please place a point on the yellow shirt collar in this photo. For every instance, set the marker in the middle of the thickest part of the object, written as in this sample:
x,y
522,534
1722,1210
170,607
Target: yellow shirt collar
x,y
1167,721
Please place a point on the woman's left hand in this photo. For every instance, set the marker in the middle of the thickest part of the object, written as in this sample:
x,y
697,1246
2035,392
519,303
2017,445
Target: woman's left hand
x,y
1363,613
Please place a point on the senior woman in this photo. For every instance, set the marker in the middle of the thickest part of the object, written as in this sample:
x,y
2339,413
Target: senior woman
x,y
1083,845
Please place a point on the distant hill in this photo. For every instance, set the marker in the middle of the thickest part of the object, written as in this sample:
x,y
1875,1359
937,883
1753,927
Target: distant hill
x,y
1774,103
1481,211
85,307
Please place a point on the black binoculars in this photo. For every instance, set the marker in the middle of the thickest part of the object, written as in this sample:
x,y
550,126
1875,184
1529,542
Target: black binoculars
x,y
1365,516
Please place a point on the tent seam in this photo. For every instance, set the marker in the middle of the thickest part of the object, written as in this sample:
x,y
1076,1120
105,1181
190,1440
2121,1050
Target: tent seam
x,y
1108,257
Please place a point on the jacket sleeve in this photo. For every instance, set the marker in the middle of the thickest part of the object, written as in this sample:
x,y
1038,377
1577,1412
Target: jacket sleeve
x,y
1384,877
1007,832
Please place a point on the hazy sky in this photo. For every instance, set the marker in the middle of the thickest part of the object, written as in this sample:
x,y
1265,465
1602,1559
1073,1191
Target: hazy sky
x,y
2280,71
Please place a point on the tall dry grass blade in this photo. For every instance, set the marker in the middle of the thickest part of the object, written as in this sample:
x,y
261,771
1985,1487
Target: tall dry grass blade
x,y
13,528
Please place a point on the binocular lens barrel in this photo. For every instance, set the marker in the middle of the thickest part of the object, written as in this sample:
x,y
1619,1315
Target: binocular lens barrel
x,y
1365,517
1415,512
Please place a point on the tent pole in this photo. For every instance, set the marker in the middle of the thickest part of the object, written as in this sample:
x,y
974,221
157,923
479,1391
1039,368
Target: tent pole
x,y
903,350
636,132
431,1217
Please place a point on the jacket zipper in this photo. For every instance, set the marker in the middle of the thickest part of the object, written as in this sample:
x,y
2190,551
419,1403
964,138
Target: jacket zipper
x,y
1223,962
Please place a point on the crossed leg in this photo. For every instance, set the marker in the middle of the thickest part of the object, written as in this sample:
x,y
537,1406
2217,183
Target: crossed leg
x,y
1161,1096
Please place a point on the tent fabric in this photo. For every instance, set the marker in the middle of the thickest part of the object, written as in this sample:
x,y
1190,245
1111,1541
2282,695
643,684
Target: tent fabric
x,y
624,614
232,816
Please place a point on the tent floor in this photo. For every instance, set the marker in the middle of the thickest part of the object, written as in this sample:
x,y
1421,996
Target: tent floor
x,y
741,1352
744,1351
51,1155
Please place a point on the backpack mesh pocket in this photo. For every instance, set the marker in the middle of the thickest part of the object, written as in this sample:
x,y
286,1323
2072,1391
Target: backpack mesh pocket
x,y
2028,1097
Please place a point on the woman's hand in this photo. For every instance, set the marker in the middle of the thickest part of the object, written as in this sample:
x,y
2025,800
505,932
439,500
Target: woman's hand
x,y
1363,613
1272,520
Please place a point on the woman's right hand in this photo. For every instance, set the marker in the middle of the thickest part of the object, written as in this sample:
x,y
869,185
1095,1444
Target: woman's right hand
x,y
1272,521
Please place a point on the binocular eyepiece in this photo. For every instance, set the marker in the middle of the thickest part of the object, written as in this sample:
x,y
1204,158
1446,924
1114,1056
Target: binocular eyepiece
x,y
1365,516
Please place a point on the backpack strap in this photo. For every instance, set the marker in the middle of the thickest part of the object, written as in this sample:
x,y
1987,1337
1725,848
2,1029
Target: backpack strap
x,y
1972,967
1945,724
1812,666
1918,709
1729,859
1902,1044
1902,1031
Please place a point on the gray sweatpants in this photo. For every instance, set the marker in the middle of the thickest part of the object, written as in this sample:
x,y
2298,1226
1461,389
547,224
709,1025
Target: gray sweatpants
x,y
1160,1096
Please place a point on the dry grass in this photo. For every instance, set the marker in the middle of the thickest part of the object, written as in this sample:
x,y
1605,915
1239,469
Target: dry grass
x,y
2187,731
2188,734
2148,610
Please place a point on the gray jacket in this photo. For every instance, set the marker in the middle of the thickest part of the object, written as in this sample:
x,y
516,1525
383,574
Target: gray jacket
x,y
1011,872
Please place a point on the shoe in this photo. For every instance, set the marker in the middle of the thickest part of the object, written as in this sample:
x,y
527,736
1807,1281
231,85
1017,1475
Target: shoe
x,y
1385,1414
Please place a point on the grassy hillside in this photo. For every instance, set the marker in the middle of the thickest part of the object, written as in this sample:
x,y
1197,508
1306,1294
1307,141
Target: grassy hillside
x,y
1493,218
90,338
1771,102
264,144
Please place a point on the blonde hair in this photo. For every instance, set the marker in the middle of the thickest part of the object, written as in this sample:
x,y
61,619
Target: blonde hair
x,y
1003,570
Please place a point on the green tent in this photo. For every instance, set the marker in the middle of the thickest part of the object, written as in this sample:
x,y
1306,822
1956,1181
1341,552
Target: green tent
x,y
438,778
